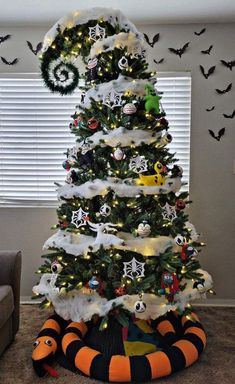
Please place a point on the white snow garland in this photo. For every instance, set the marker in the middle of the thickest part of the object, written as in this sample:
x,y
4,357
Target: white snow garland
x,y
121,137
121,85
113,16
122,188
78,244
81,305
134,45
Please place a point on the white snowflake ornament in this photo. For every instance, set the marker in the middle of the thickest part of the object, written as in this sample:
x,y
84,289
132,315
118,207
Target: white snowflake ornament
x,y
133,269
79,218
96,32
112,99
169,212
72,153
85,147
138,164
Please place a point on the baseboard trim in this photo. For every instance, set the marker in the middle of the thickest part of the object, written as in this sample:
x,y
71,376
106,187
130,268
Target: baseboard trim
x,y
198,303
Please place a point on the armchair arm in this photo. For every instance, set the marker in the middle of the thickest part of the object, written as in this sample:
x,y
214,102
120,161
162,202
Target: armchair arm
x,y
10,273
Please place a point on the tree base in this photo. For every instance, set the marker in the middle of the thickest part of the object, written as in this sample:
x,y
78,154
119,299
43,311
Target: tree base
x,y
139,353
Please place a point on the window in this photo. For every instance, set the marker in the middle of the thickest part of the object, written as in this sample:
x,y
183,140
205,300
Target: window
x,y
34,134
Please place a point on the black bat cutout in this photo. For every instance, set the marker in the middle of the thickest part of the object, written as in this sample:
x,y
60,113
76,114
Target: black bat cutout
x,y
37,49
13,62
155,39
211,70
207,51
179,52
220,134
159,62
228,64
229,116
4,38
200,33
223,91
210,109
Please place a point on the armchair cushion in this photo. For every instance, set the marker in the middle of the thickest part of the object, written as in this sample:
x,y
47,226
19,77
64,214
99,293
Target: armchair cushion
x,y
6,303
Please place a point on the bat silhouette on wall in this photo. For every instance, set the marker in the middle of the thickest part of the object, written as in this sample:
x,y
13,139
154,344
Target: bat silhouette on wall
x,y
159,61
228,64
222,91
4,38
37,49
207,51
210,109
179,52
13,62
200,33
220,134
209,73
155,39
229,116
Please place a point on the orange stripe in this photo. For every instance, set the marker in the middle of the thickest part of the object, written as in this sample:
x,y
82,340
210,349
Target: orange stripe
x,y
190,352
199,332
51,323
119,368
83,359
159,363
164,327
67,339
80,326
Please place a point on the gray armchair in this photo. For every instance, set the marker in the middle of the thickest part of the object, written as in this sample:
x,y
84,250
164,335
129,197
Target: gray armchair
x,y
10,271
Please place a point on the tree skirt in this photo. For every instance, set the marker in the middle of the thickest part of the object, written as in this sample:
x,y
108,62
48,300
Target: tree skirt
x,y
139,352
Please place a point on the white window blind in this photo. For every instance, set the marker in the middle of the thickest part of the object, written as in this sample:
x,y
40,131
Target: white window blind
x,y
34,134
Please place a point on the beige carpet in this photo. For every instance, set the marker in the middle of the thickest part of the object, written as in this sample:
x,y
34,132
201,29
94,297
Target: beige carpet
x,y
216,365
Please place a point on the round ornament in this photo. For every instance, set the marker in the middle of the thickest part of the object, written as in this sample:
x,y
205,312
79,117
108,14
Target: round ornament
x,y
140,306
179,240
92,123
123,63
166,139
118,154
66,165
129,109
180,204
56,267
94,283
105,210
92,63
144,229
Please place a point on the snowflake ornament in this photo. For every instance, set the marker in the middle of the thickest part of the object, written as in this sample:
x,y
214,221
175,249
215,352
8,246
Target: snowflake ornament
x,y
169,212
133,269
112,99
72,153
138,164
96,33
79,218
85,147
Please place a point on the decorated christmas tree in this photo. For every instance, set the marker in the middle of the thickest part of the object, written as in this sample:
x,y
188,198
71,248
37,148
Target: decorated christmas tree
x,y
124,251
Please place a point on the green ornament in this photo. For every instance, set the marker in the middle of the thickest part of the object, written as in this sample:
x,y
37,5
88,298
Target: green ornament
x,y
151,99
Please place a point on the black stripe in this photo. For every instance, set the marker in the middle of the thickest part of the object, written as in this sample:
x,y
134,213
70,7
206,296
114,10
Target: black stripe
x,y
195,340
170,337
176,357
100,367
73,330
49,332
73,348
190,323
140,369
62,323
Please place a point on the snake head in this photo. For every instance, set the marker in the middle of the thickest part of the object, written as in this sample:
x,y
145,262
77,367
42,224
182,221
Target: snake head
x,y
44,350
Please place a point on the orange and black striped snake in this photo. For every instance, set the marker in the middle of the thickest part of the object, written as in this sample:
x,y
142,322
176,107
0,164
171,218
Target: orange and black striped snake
x,y
184,340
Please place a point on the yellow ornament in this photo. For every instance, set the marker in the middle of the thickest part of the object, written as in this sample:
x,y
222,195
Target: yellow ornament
x,y
157,178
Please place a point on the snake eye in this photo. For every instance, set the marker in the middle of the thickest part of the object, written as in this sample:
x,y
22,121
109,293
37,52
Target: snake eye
x,y
35,344
48,342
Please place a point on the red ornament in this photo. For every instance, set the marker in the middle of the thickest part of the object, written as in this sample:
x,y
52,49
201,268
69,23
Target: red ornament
x,y
120,291
92,123
184,255
180,204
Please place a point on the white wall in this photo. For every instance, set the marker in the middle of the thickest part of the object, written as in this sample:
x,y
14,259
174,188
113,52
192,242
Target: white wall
x,y
212,181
